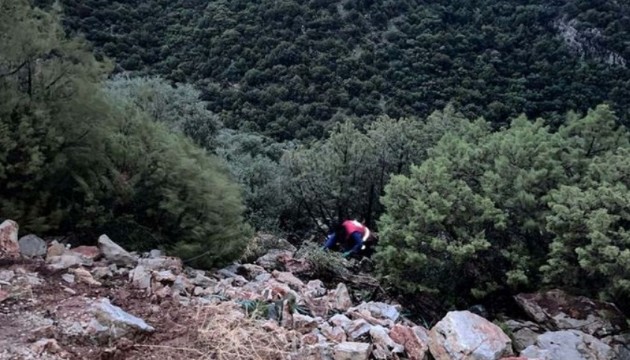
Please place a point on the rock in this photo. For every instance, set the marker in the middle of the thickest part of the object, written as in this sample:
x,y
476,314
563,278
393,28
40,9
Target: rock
x,y
415,340
314,289
295,266
9,247
3,295
182,285
203,281
568,344
155,254
379,310
69,278
162,263
313,352
88,252
524,333
342,300
287,316
466,336
164,276
251,271
304,323
55,249
102,272
32,246
84,276
67,260
384,343
271,261
309,339
163,292
116,321
289,279
114,253
6,275
620,345
352,351
46,345
140,277
358,328
340,320
333,333
561,311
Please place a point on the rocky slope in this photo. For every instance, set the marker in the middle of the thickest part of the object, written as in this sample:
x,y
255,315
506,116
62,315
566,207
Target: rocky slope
x,y
102,302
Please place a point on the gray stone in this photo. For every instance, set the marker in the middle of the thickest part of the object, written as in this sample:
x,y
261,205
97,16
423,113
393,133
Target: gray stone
x,y
114,253
568,344
102,272
140,277
32,246
7,275
340,320
313,352
524,333
163,263
314,289
68,260
69,278
155,253
465,336
271,260
352,351
379,310
116,320
558,310
9,246
358,328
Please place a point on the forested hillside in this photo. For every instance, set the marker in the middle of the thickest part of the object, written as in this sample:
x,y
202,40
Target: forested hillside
x,y
291,68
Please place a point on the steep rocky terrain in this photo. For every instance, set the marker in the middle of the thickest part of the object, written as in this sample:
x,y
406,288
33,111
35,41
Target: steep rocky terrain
x,y
102,302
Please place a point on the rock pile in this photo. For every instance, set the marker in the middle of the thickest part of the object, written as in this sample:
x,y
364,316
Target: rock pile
x,y
324,323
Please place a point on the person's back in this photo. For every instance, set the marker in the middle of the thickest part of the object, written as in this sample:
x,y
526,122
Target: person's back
x,y
350,234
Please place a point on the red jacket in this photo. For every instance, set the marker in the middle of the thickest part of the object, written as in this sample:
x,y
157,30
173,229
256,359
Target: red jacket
x,y
352,226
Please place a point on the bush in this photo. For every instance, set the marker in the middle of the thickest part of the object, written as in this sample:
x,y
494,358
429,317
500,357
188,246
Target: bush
x,y
479,215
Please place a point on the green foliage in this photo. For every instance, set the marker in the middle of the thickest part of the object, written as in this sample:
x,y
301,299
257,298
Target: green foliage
x,y
344,175
254,161
292,68
71,161
511,210
179,107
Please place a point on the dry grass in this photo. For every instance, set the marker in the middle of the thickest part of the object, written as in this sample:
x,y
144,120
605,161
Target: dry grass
x,y
227,334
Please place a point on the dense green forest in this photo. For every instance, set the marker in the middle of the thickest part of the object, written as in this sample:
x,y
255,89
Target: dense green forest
x,y
293,68
186,124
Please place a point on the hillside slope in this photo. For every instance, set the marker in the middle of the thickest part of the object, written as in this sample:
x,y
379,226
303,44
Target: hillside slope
x,y
289,67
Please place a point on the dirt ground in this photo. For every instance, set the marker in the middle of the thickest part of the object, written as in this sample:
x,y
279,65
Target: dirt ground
x,y
26,319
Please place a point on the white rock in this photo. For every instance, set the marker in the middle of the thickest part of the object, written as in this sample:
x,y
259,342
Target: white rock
x,y
114,253
569,344
352,351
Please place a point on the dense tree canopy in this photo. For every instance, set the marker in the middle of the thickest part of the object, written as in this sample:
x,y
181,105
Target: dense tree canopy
x,y
292,68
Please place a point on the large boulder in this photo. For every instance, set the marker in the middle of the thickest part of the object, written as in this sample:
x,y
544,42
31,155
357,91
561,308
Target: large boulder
x,y
352,351
9,246
558,310
465,336
32,246
415,340
569,344
114,253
